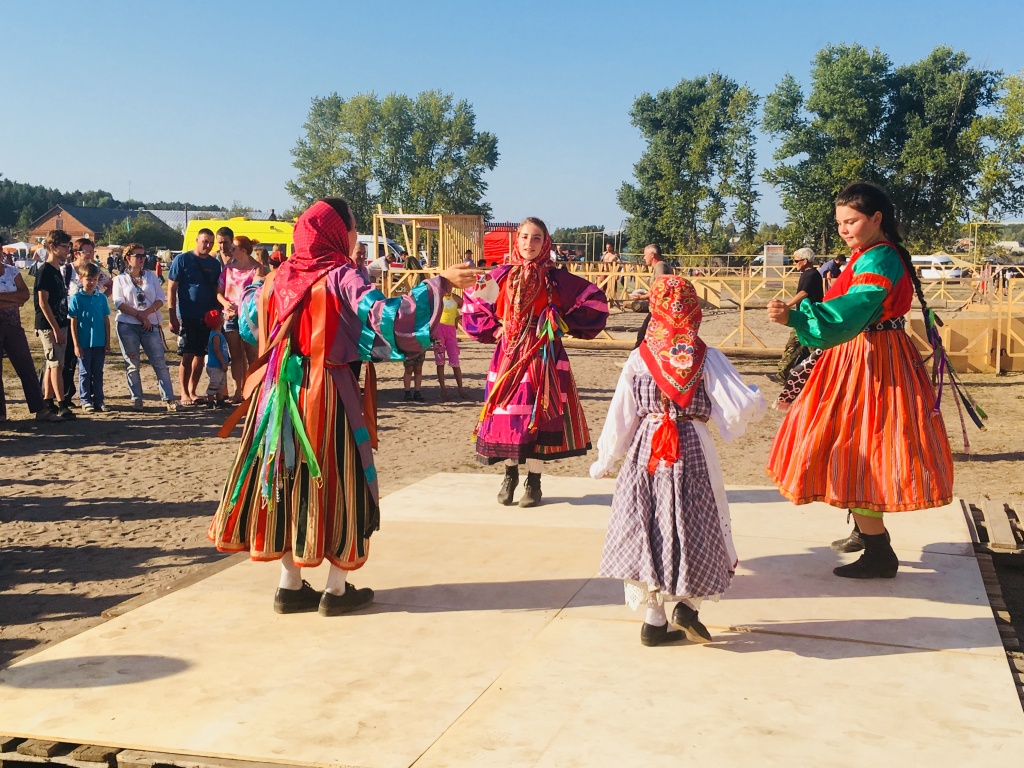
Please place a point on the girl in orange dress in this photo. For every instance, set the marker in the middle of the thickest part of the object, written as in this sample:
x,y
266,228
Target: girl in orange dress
x,y
865,434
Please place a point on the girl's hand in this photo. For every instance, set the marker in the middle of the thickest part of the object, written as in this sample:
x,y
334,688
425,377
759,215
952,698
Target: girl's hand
x,y
146,325
778,312
461,276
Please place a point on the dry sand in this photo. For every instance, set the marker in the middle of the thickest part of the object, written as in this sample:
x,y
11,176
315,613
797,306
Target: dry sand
x,y
95,511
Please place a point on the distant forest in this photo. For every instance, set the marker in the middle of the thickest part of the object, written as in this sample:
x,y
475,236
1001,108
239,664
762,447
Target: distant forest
x,y
21,204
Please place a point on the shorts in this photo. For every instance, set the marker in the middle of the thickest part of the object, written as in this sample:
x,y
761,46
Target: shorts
x,y
445,341
194,337
53,352
231,325
412,362
218,380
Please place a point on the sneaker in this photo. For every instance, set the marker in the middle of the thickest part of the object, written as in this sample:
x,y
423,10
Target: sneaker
x,y
104,408
408,396
52,406
417,397
137,405
66,414
68,403
172,406
85,409
46,415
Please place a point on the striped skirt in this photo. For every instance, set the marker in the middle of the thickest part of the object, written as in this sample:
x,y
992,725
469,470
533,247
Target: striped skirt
x,y
863,432
505,433
328,517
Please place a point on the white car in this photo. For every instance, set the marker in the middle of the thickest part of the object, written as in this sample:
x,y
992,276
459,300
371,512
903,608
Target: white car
x,y
937,267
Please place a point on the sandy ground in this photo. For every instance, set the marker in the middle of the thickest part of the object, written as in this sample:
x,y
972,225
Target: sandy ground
x,y
95,511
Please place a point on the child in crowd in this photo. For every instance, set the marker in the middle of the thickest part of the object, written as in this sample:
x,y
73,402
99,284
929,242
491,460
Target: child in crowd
x,y
532,411
217,361
447,343
90,330
412,377
669,537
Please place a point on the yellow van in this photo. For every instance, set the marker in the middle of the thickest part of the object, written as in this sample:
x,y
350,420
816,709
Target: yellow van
x,y
266,233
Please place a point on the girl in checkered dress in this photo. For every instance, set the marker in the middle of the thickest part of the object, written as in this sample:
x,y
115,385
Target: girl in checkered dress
x,y
669,536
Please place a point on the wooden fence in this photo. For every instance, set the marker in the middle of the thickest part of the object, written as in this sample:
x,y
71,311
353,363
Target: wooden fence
x,y
983,331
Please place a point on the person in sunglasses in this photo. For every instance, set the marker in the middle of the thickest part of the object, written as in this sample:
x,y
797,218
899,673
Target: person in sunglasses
x,y
138,298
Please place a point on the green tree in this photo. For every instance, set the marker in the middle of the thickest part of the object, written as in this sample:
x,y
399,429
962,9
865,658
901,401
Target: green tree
x,y
699,138
423,154
1000,189
143,228
828,139
913,129
932,143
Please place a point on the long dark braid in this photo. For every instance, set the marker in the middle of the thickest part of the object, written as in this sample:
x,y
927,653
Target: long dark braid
x,y
869,200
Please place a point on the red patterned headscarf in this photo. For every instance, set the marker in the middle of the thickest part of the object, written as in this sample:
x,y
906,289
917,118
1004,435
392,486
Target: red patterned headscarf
x,y
523,291
321,244
673,351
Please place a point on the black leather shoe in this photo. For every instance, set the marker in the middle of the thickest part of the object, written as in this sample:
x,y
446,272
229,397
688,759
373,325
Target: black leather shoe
x,y
688,620
851,543
531,490
651,635
300,600
879,561
508,485
352,600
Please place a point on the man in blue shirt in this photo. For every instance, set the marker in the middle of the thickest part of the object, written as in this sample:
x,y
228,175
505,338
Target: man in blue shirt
x,y
191,293
831,269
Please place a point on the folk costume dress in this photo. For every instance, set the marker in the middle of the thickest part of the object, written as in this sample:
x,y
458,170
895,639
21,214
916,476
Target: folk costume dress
x,y
865,432
669,536
531,407
303,481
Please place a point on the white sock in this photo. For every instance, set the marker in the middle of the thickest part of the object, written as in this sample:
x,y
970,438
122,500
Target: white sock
x,y
656,616
291,574
336,581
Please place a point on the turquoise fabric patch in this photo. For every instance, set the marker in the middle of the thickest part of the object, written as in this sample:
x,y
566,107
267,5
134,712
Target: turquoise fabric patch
x,y
361,435
421,294
371,474
387,326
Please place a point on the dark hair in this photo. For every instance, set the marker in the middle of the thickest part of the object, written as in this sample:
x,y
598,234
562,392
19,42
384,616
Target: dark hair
x,y
869,200
88,270
342,209
536,222
226,232
57,237
82,242
204,231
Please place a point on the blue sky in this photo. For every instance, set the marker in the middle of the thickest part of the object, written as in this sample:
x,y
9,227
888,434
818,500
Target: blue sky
x,y
203,101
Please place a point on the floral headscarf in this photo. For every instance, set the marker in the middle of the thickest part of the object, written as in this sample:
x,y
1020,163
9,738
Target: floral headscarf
x,y
672,350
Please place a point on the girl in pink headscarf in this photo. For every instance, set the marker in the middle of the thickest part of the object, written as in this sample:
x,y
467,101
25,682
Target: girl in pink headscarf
x,y
303,486
532,411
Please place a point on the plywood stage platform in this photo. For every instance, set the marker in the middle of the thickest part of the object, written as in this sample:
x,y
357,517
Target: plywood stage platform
x,y
491,643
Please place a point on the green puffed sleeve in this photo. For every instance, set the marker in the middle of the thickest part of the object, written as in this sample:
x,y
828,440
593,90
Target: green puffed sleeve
x,y
835,321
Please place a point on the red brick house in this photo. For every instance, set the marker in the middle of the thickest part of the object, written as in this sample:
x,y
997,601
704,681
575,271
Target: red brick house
x,y
79,221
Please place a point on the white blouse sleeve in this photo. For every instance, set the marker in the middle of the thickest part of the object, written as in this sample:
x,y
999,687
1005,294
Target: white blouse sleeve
x,y
622,421
121,292
733,403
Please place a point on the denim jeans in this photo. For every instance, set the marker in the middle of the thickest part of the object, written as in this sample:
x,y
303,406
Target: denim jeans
x,y
90,376
132,337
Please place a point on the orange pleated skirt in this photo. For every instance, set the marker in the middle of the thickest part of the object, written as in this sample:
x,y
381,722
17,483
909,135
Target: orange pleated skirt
x,y
863,434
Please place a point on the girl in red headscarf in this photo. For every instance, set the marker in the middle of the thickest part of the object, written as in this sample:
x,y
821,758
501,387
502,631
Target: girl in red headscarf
x,y
532,411
669,536
303,486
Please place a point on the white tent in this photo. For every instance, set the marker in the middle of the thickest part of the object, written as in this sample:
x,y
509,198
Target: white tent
x,y
26,247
